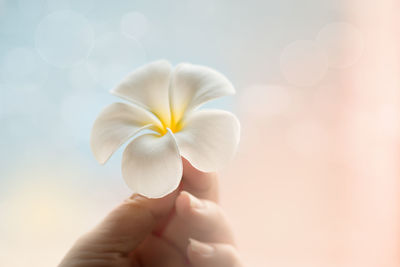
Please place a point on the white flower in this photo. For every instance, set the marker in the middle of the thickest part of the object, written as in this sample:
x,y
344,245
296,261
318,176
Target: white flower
x,y
165,100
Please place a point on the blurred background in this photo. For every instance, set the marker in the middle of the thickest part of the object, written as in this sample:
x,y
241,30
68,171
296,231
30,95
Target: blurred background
x,y
316,178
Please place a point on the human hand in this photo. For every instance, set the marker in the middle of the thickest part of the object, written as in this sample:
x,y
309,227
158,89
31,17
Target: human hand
x,y
181,229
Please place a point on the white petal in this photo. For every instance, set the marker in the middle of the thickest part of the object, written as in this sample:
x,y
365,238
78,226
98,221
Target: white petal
x,y
209,139
115,125
193,85
152,166
148,86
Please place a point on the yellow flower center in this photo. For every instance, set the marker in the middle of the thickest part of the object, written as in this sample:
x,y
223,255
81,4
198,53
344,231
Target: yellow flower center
x,y
175,124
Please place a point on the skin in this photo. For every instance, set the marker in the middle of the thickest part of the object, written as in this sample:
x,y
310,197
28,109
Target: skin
x,y
185,228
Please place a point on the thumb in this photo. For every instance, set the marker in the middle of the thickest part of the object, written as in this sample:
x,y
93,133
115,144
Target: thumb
x,y
127,225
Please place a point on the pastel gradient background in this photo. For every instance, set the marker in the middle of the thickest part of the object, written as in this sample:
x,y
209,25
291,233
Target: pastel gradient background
x,y
316,179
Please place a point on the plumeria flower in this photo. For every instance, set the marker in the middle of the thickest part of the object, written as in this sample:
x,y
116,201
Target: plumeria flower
x,y
165,124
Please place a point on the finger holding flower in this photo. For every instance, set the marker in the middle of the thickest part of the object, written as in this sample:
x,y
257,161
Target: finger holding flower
x,y
165,101
172,143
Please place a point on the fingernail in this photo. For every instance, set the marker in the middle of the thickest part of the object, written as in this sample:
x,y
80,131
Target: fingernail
x,y
137,197
200,248
195,202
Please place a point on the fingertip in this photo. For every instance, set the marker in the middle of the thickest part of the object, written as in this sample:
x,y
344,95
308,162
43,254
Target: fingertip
x,y
187,204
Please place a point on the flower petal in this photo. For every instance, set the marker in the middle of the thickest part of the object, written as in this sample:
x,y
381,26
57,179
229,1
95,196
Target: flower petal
x,y
152,166
193,85
115,125
147,87
209,138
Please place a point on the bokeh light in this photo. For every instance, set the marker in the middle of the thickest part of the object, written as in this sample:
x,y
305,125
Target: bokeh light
x,y
64,38
263,101
343,43
303,63
113,57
